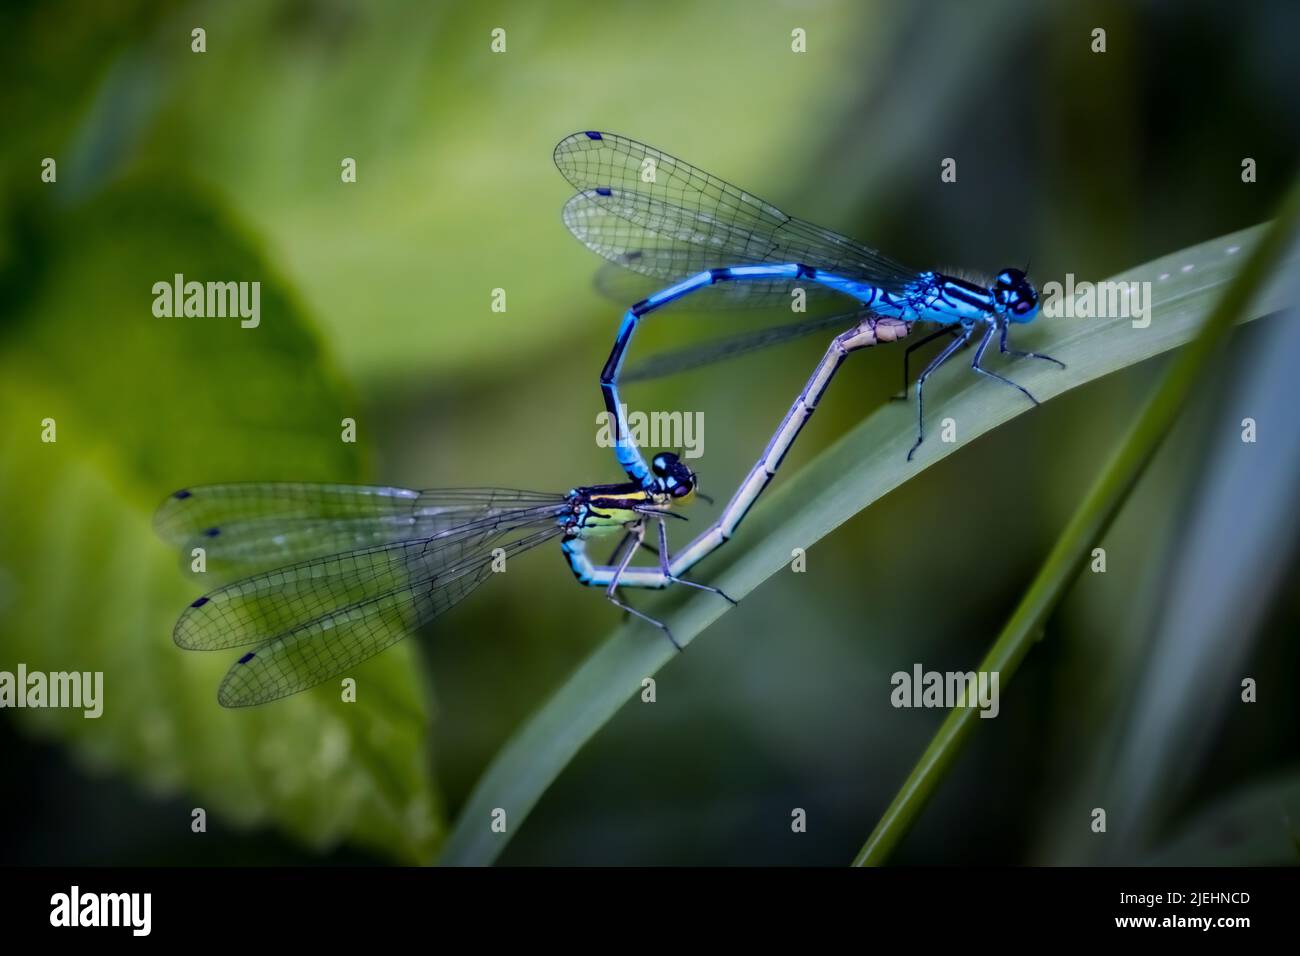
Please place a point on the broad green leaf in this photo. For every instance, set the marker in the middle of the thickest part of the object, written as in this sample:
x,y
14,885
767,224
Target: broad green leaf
x,y
869,462
144,405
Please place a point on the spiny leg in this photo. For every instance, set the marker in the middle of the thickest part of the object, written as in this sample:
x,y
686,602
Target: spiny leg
x,y
975,364
623,542
939,359
618,551
617,556
907,354
1019,354
665,565
611,593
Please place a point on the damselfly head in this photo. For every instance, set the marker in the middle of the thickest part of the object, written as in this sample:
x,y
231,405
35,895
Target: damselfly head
x,y
675,479
1015,295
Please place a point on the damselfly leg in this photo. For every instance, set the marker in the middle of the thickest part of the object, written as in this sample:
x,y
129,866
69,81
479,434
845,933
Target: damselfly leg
x,y
962,340
1019,354
975,364
611,593
907,354
628,543
629,538
949,350
665,565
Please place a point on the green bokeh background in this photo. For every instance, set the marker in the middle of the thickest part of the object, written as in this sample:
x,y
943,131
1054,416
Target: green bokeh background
x,y
376,306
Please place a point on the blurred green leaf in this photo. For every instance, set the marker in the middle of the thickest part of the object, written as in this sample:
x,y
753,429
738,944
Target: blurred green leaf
x,y
455,191
863,466
144,405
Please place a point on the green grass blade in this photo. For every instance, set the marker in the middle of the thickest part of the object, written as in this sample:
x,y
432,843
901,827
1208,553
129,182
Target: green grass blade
x,y
1087,526
867,463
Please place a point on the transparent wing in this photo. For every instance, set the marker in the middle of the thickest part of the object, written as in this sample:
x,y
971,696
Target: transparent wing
x,y
719,350
249,526
657,215
334,641
257,608
637,268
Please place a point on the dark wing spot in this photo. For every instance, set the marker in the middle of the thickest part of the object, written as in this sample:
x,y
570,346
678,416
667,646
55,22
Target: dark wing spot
x,y
212,532
199,602
247,657
182,494
592,134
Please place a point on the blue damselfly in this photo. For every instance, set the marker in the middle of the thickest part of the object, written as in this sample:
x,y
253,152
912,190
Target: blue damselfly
x,y
653,214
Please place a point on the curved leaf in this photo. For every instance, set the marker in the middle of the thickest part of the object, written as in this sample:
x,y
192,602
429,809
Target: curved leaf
x,y
864,465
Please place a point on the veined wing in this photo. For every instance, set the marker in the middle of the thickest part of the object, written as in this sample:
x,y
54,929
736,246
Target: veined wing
x,y
640,262
335,641
678,219
258,608
719,350
249,526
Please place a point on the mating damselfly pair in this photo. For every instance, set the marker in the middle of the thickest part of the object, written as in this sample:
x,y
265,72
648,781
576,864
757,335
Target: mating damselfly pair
x,y
341,572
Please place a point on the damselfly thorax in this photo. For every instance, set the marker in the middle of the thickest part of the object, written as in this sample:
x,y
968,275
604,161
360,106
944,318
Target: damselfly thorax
x,y
607,509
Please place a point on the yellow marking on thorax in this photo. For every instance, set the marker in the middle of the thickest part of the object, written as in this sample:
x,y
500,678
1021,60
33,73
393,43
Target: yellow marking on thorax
x,y
609,512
